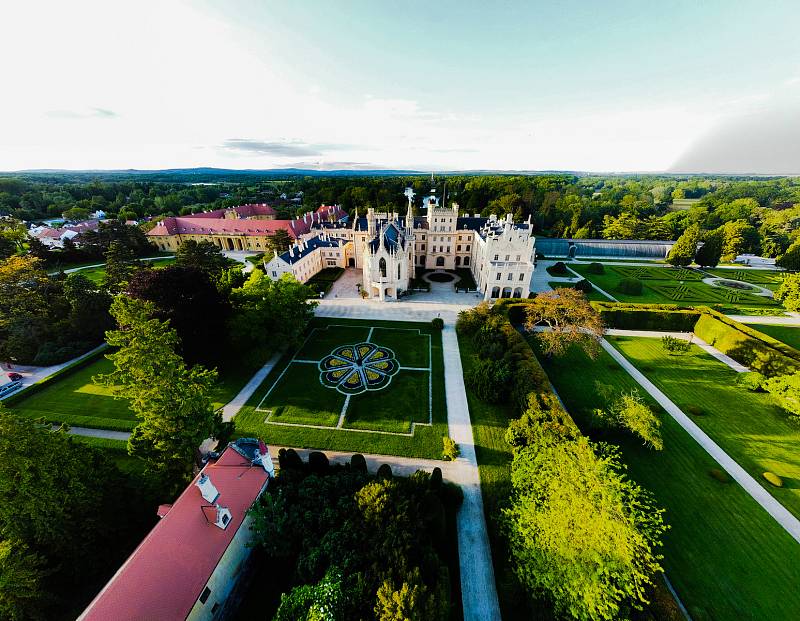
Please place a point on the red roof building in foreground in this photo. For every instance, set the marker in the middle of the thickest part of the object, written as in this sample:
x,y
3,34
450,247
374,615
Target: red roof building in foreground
x,y
189,563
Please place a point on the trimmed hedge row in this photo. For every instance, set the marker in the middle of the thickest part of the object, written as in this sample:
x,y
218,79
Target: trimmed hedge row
x,y
667,317
751,348
34,388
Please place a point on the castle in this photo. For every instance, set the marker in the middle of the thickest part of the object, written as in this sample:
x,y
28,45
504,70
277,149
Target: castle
x,y
389,249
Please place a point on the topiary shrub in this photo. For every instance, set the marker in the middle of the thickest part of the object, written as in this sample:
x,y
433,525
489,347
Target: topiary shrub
x,y
281,458
450,449
385,472
752,381
558,269
630,286
584,286
292,461
695,410
437,323
596,268
719,475
490,379
436,479
358,463
318,462
773,479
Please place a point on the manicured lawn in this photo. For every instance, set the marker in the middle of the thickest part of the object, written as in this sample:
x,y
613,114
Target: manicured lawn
x,y
727,558
765,278
786,334
668,285
392,409
747,425
592,296
97,274
76,400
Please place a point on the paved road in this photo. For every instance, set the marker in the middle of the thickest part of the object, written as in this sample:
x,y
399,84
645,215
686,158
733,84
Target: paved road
x,y
232,408
790,523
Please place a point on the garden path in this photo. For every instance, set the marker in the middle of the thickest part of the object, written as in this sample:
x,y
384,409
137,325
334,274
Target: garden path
x,y
790,319
232,408
781,515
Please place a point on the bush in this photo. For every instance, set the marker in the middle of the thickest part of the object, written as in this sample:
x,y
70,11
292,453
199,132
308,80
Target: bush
x,y
558,269
695,410
719,475
385,472
437,323
318,462
668,317
596,268
490,379
752,381
436,479
675,346
773,479
292,461
630,286
584,286
450,449
358,463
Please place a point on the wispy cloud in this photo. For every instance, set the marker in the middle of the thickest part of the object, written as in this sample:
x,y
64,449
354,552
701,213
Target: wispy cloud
x,y
281,148
90,113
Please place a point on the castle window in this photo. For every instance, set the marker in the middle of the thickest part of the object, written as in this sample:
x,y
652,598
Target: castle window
x,y
498,275
398,271
508,257
423,247
466,260
517,257
467,247
510,276
448,249
496,257
382,267
522,276
458,248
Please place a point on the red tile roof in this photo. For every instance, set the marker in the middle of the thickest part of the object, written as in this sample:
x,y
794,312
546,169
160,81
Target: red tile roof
x,y
166,574
186,225
255,209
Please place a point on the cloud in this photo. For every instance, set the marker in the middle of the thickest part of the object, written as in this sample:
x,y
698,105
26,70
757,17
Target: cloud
x,y
90,113
285,148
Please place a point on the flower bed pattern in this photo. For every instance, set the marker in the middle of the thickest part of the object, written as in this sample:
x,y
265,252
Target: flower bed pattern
x,y
353,369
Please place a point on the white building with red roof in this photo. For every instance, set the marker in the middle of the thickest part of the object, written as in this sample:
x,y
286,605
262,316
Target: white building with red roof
x,y
188,565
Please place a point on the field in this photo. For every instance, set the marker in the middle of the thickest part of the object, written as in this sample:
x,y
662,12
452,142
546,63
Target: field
x,y
367,386
786,334
97,274
747,425
764,278
726,557
668,285
74,399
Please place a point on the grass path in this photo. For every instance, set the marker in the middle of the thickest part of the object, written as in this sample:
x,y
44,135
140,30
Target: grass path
x,y
727,558
748,426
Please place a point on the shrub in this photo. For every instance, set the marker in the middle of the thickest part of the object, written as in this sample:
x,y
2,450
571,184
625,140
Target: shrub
x,y
436,479
490,379
437,323
675,346
695,410
384,472
630,286
584,286
358,463
752,381
773,479
669,317
558,269
281,458
596,268
719,475
318,462
292,461
450,449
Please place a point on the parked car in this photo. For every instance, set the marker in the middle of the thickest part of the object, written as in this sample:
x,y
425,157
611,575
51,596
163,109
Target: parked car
x,y
14,377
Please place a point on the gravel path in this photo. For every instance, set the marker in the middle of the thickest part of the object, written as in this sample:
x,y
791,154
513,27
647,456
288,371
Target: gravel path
x,y
232,408
790,523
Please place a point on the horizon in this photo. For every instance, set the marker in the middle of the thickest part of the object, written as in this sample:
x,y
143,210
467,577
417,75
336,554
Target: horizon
x,y
686,89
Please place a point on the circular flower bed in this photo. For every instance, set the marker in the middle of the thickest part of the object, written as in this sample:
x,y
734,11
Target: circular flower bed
x,y
441,277
735,284
352,369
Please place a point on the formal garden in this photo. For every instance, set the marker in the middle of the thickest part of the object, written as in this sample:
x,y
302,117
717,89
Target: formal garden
x,y
785,334
368,386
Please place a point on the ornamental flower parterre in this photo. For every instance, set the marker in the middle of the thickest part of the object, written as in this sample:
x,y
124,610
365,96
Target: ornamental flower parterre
x,y
353,369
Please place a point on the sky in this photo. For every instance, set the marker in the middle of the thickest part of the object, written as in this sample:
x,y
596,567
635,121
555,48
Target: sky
x,y
613,86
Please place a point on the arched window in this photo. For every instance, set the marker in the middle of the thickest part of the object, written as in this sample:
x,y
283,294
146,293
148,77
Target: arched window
x,y
382,267
439,261
458,261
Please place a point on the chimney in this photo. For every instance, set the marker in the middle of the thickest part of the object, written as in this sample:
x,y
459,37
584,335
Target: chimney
x,y
206,487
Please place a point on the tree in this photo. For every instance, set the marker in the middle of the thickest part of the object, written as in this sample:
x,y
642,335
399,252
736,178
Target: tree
x,y
7,247
171,401
581,532
88,316
195,309
203,255
279,241
685,248
570,319
121,263
632,413
675,346
790,260
789,292
738,237
408,602
709,254
270,314
21,576
625,226
786,390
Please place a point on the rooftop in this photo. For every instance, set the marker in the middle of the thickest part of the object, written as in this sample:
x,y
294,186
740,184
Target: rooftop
x,y
165,575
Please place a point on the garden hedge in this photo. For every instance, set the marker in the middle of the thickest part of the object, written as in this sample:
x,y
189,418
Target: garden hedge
x,y
667,317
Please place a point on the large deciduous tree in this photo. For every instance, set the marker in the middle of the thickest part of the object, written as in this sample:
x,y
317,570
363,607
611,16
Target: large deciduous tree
x,y
21,575
202,255
786,390
790,260
195,309
789,292
271,313
171,401
709,254
685,247
568,319
89,303
279,241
